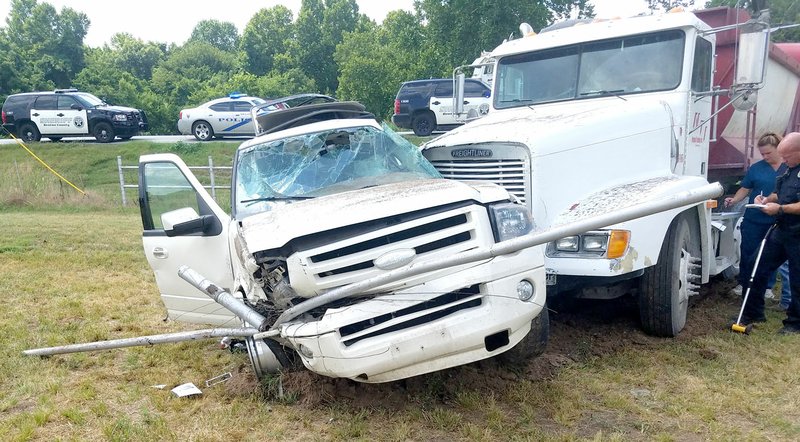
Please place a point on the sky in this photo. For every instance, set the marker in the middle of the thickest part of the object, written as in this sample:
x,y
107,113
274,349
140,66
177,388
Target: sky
x,y
177,18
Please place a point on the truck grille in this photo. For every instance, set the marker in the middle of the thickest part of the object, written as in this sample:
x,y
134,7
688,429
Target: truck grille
x,y
352,259
408,317
506,165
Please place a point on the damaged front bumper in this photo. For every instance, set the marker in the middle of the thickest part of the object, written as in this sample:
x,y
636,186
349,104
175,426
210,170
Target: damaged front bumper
x,y
443,323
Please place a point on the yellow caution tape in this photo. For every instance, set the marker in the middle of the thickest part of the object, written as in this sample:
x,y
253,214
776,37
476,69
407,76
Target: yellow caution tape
x,y
45,164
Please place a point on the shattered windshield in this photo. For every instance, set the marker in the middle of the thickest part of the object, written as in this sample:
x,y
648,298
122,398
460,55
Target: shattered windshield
x,y
323,163
642,63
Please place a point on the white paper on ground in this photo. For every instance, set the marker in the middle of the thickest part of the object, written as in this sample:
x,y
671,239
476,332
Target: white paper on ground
x,y
187,389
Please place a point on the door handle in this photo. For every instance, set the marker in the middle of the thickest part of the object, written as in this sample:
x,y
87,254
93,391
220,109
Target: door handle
x,y
59,115
160,252
436,103
35,115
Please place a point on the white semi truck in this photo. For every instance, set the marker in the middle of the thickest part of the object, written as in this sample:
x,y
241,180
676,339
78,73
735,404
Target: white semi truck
x,y
633,108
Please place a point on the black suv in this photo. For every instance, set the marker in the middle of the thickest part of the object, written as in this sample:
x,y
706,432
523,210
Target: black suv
x,y
426,105
69,113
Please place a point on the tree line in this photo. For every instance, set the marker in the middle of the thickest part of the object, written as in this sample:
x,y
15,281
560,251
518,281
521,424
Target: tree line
x,y
330,47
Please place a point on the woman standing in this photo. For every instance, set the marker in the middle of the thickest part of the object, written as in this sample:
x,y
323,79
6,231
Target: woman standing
x,y
759,180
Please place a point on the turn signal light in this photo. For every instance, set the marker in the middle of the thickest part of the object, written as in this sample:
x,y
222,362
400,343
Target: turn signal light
x,y
618,243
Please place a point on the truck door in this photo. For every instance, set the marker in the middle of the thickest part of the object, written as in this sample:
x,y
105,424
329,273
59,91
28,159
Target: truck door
x,y
43,113
73,115
698,125
168,194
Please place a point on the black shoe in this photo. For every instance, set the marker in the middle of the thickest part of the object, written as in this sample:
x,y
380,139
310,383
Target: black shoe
x,y
789,330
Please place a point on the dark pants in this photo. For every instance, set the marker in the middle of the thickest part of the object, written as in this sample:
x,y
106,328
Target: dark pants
x,y
752,234
779,247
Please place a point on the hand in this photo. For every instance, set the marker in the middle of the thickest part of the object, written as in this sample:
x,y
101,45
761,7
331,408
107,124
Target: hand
x,y
770,208
760,199
729,201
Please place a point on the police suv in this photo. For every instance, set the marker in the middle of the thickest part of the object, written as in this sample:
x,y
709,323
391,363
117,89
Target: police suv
x,y
69,113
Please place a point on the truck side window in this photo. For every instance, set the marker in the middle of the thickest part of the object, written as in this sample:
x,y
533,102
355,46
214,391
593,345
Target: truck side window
x,y
165,189
45,102
702,68
444,89
65,102
475,89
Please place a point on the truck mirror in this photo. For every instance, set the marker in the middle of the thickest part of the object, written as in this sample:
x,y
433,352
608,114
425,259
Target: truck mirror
x,y
458,94
185,221
752,57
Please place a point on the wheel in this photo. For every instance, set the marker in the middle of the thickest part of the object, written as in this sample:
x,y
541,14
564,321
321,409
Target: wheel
x,y
423,124
665,287
55,139
202,130
28,132
533,344
104,133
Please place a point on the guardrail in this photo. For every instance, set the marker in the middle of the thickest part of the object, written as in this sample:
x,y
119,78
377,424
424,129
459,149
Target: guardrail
x,y
212,170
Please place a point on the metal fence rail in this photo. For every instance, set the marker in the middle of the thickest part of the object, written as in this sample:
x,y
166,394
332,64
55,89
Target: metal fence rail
x,y
213,172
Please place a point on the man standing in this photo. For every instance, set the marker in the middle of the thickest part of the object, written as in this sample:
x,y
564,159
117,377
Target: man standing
x,y
784,241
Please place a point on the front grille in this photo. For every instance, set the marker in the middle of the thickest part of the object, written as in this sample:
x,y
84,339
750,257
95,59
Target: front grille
x,y
508,173
418,314
351,259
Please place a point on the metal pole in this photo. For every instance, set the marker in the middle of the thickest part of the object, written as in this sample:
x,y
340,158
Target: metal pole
x,y
225,299
143,340
681,199
121,180
211,174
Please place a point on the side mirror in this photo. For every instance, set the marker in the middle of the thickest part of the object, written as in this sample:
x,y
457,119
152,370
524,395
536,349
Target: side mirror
x,y
458,94
487,93
752,57
185,221
76,106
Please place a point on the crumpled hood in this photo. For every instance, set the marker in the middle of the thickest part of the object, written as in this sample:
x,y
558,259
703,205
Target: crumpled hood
x,y
273,229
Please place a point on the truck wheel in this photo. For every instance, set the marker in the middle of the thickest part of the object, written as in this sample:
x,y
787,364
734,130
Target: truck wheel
x,y
202,130
665,287
533,344
28,132
104,133
423,124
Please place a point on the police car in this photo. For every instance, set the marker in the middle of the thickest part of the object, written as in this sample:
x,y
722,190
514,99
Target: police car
x,y
217,118
231,115
69,113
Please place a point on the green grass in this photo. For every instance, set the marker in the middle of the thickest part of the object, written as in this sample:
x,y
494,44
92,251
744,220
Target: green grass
x,y
74,271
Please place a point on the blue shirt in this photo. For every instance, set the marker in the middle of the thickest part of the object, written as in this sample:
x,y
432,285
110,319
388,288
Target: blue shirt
x,y
760,179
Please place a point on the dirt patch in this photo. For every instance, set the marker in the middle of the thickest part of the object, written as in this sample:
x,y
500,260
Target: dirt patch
x,y
580,330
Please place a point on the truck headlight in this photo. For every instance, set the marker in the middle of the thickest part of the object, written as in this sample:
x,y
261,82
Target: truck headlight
x,y
595,243
568,244
120,117
510,221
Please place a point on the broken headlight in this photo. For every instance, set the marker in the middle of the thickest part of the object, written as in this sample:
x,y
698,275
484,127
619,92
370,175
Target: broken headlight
x,y
510,221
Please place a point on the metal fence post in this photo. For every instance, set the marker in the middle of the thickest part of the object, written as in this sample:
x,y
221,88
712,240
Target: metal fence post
x,y
121,180
211,174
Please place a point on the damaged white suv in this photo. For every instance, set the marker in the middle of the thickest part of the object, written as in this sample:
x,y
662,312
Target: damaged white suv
x,y
320,201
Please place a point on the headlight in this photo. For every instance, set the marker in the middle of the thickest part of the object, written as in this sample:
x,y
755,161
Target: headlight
x,y
510,220
568,244
120,117
595,243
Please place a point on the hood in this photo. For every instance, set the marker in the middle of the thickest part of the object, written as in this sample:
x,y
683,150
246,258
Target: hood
x,y
121,109
273,229
555,127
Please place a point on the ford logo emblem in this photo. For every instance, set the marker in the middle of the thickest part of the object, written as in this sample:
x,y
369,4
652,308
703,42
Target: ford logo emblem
x,y
471,153
395,259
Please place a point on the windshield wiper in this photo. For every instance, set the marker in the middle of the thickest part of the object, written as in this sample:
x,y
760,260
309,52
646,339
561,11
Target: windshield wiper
x,y
602,92
518,100
277,198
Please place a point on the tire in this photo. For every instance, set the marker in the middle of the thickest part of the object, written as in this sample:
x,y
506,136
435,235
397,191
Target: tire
x,y
423,124
202,130
533,344
104,133
28,133
55,139
665,287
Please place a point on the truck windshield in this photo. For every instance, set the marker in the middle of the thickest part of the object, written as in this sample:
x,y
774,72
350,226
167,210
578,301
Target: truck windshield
x,y
641,63
324,163
88,100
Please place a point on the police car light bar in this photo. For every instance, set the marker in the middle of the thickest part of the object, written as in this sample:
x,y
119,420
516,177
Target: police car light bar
x,y
236,95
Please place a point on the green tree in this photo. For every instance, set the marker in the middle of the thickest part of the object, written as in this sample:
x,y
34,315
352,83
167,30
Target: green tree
x,y
266,36
135,56
221,35
666,5
46,47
